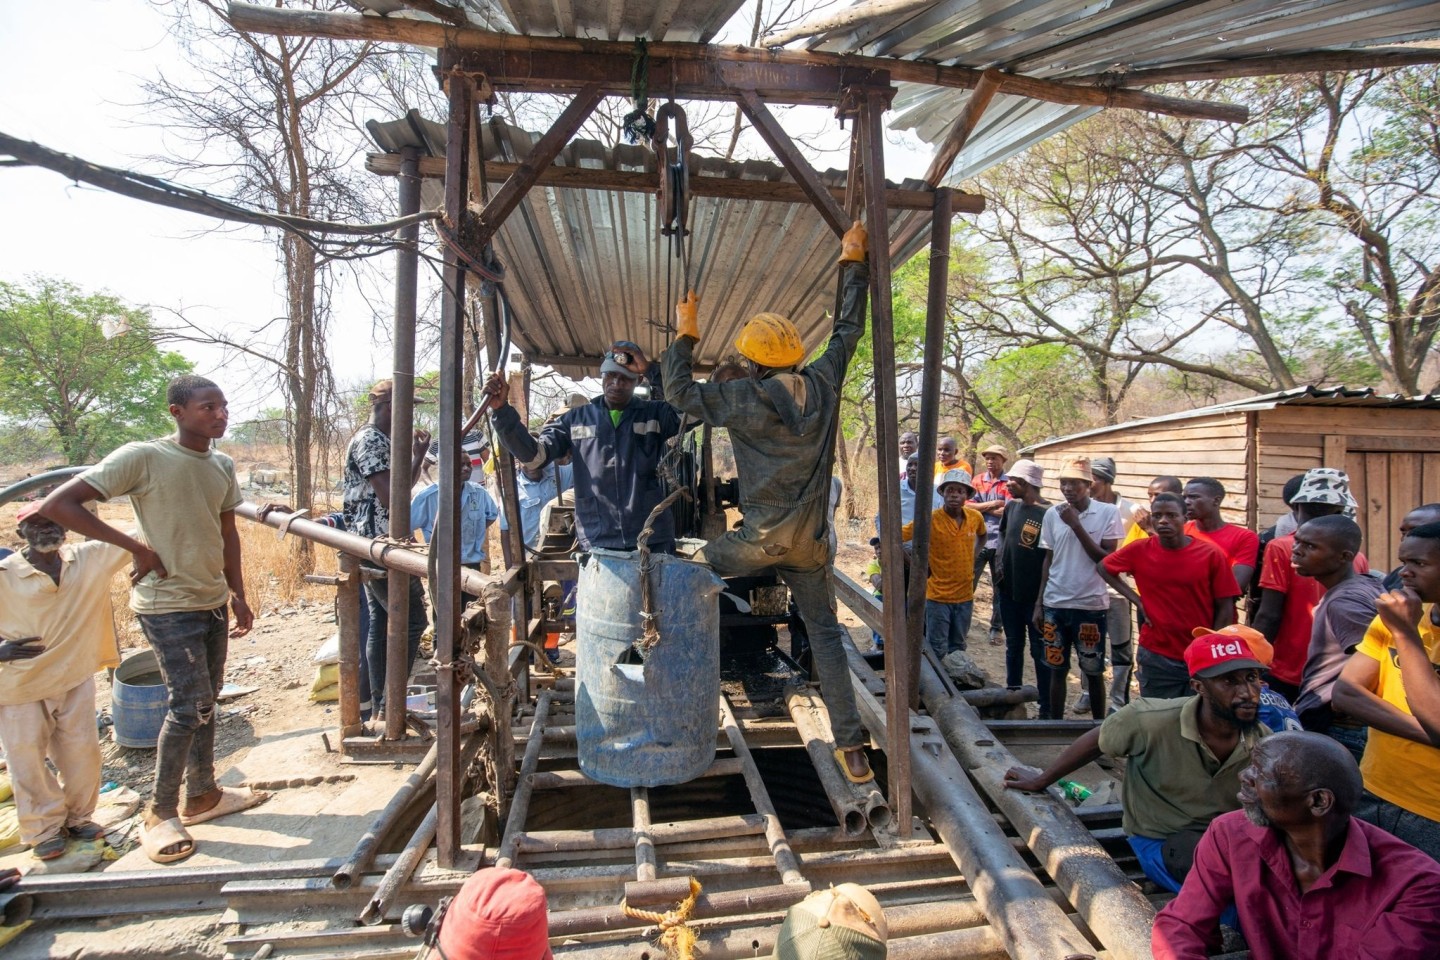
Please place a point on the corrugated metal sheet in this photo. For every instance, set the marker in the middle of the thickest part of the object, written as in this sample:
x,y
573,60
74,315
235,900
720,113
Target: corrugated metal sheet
x,y
587,267
1307,396
1059,39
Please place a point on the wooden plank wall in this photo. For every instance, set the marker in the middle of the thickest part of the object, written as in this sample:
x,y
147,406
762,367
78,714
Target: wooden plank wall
x,y
1392,457
1212,446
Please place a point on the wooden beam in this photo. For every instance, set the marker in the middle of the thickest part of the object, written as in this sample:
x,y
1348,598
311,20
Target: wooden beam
x,y
630,181
1321,61
513,190
790,157
963,126
341,26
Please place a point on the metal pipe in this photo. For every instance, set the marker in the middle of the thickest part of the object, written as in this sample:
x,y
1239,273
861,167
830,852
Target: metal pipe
x,y
392,556
644,842
400,873
1111,905
620,838
347,622
853,804
774,833
524,787
364,853
40,481
1029,923
937,314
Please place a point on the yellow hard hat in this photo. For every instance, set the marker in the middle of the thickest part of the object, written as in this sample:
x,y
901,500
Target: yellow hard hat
x,y
771,341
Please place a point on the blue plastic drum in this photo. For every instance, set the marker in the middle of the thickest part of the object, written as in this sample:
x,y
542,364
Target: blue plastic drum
x,y
138,701
651,720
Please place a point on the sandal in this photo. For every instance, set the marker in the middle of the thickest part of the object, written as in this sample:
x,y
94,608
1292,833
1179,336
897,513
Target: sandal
x,y
51,849
855,774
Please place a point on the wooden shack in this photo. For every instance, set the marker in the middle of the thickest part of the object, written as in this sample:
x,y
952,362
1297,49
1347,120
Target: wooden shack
x,y
1388,444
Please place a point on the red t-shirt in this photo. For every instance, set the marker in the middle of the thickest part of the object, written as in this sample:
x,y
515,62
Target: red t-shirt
x,y
1302,596
1179,587
1240,544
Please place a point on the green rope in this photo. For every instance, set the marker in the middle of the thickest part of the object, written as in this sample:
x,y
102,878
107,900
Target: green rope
x,y
638,125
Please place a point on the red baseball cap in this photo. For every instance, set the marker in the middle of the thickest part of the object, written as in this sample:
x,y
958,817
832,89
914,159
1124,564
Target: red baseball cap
x,y
1259,646
1217,653
499,914
27,511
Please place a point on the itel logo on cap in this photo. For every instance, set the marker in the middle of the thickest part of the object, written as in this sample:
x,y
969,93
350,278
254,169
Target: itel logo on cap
x,y
1232,649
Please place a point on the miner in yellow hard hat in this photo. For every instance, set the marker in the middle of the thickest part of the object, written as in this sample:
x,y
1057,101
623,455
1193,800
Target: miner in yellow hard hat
x,y
782,426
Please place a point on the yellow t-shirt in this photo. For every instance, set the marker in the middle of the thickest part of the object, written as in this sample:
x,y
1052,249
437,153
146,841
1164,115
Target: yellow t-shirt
x,y
73,620
1136,532
952,555
1395,769
960,464
178,496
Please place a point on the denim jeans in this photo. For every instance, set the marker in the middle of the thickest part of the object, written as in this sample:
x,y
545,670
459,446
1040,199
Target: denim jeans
x,y
1162,677
1065,628
190,647
376,593
1019,622
985,557
946,625
1122,651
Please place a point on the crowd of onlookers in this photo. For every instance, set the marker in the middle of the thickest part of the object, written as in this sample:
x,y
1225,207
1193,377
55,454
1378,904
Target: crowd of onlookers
x,y
1282,757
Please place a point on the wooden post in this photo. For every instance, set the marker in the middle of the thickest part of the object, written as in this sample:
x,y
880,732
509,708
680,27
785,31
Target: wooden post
x,y
898,652
447,432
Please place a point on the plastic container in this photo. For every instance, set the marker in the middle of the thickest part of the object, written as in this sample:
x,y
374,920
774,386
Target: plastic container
x,y
651,720
138,701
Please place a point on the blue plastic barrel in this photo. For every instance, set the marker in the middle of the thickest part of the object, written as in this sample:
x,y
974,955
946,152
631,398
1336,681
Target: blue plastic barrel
x,y
138,701
644,722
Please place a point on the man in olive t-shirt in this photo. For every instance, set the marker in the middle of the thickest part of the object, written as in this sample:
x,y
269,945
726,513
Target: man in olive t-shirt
x,y
186,570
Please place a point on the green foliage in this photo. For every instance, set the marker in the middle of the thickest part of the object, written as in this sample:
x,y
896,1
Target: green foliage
x,y
1025,389
59,370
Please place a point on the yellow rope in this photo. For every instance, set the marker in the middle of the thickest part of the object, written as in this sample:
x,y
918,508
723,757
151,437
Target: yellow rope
x,y
676,938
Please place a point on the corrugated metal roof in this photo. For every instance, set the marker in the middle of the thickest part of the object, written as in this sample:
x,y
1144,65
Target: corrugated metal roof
x,y
1059,39
587,267
1307,396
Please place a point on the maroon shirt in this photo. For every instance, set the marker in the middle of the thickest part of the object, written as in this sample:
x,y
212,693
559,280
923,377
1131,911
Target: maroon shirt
x,y
1381,898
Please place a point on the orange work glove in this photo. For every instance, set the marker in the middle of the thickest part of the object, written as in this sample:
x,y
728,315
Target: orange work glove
x,y
855,245
687,317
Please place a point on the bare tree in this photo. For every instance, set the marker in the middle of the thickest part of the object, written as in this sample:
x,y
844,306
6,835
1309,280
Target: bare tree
x,y
272,121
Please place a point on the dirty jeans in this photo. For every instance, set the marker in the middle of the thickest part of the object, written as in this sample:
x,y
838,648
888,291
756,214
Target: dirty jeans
x,y
377,596
804,565
190,647
61,729
984,558
1122,651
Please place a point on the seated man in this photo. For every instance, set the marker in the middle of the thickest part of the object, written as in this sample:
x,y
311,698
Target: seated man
x,y
1391,684
1309,880
1184,755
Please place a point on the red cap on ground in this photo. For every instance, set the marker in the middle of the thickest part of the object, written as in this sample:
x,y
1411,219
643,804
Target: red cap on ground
x,y
1217,653
499,914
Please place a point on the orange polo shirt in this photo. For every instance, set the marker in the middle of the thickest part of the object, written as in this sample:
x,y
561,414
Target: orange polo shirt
x,y
952,554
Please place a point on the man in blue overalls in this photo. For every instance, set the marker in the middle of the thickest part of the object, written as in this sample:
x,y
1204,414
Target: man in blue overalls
x,y
617,442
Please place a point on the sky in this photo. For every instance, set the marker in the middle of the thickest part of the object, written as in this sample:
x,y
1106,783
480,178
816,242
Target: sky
x,y
73,72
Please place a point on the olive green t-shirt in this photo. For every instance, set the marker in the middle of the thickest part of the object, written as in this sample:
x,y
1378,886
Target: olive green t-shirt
x,y
178,495
1173,780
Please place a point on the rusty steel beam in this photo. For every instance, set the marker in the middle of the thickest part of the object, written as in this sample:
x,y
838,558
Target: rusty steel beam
x,y
892,561
446,548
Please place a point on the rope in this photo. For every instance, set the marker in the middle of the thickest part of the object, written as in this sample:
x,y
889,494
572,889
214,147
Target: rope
x,y
676,937
638,125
